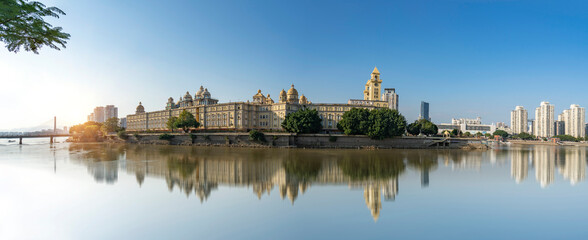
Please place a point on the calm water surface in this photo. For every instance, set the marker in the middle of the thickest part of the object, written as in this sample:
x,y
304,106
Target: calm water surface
x,y
97,191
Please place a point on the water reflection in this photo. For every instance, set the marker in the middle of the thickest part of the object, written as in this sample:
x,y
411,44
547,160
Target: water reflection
x,y
200,171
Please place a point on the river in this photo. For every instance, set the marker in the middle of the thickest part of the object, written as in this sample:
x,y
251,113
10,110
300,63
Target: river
x,y
102,191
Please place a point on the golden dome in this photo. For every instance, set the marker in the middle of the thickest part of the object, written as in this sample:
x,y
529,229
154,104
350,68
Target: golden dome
x,y
140,108
303,99
199,93
292,91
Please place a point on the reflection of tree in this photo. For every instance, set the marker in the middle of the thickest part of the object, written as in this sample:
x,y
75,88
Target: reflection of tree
x,y
101,160
372,166
184,165
304,170
96,152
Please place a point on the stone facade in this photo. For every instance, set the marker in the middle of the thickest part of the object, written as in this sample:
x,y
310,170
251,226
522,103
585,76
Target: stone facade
x,y
261,113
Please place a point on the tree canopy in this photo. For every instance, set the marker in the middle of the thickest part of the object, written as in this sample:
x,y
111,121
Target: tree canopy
x,y
500,133
524,136
423,126
385,123
171,123
355,121
377,124
86,132
110,125
22,24
303,121
186,121
567,138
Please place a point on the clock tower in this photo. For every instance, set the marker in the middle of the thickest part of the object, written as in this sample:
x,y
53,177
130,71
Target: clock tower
x,y
373,87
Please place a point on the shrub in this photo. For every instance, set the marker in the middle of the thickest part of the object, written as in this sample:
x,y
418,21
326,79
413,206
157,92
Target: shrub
x,y
137,136
256,136
166,136
332,138
122,134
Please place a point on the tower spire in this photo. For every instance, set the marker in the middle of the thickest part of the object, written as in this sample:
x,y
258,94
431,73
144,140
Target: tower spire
x,y
375,71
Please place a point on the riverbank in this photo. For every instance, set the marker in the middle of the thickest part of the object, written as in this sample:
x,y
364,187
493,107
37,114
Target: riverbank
x,y
289,140
534,142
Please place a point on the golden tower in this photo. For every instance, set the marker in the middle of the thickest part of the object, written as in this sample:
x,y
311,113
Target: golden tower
x,y
373,86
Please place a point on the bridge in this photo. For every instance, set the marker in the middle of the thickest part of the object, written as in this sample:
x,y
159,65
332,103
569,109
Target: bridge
x,y
40,134
26,135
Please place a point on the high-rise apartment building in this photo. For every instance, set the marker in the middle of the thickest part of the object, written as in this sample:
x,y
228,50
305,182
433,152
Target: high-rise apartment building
x,y
424,111
518,120
574,121
559,127
101,114
544,118
110,111
391,97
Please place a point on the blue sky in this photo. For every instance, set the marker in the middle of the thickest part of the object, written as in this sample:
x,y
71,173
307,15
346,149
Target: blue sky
x,y
467,58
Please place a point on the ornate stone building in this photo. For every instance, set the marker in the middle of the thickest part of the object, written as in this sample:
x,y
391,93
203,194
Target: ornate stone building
x,y
260,113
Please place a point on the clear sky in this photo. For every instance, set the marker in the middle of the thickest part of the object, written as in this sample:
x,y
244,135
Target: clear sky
x,y
467,58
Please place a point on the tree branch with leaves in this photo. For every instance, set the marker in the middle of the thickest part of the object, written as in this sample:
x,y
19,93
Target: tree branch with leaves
x,y
23,25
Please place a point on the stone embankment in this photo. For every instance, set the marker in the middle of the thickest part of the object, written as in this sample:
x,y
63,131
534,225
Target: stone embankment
x,y
287,140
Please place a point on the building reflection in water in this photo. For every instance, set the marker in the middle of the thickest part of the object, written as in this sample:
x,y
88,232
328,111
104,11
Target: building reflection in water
x,y
519,165
573,168
199,171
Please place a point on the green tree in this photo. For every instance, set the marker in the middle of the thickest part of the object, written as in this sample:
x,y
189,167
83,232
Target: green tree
x,y
186,121
479,134
355,121
423,126
385,123
525,136
500,133
467,134
87,132
303,121
110,125
566,138
455,132
171,123
22,24
302,169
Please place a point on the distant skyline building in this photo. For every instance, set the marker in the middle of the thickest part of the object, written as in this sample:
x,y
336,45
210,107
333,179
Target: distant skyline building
x,y
101,114
424,111
470,125
574,121
110,111
544,119
391,97
518,120
123,122
560,127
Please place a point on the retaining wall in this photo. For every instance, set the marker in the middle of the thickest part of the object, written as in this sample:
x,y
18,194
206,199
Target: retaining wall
x,y
303,141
